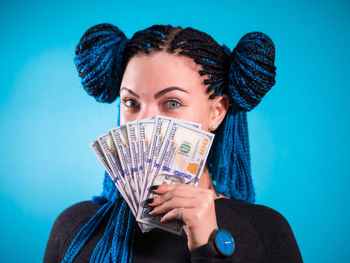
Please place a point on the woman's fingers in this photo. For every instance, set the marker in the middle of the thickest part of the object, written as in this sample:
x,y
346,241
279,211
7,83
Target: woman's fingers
x,y
160,199
175,213
189,216
178,188
174,203
179,196
167,192
193,205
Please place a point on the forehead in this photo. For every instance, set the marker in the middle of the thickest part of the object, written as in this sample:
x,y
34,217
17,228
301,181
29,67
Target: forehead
x,y
160,69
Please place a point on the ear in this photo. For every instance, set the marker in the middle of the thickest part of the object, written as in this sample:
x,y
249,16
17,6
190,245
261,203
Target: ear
x,y
218,111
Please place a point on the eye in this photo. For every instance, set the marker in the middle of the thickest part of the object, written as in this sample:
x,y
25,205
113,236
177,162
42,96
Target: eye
x,y
173,104
131,103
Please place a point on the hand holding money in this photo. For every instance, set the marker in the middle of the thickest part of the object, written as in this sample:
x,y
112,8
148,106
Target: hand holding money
x,y
158,151
193,205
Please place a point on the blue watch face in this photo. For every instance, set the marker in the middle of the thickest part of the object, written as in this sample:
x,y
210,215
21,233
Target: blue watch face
x,y
225,242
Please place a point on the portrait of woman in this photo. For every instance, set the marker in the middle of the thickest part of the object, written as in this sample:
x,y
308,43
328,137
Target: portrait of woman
x,y
267,81
185,74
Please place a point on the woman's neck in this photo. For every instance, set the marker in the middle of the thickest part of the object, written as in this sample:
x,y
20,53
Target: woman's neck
x,y
206,182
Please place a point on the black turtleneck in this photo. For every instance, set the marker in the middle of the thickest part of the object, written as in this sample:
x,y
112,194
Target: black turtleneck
x,y
261,234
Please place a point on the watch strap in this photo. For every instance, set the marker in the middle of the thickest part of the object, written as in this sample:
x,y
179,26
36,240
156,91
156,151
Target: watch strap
x,y
207,250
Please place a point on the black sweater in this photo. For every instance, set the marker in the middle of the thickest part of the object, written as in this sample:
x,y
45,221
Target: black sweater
x,y
261,234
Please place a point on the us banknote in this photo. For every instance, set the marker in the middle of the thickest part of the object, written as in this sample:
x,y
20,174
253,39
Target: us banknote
x,y
145,129
134,147
120,137
149,152
110,152
160,129
181,160
116,177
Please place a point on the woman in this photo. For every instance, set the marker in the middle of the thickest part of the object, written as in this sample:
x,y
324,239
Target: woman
x,y
185,74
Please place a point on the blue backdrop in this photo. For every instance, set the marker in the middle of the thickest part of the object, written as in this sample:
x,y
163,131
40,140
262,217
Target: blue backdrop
x,y
299,134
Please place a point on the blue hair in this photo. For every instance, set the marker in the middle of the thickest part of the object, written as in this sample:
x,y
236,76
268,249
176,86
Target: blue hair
x,y
245,75
251,73
116,244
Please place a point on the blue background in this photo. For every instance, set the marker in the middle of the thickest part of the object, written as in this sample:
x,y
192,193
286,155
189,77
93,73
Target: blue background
x,y
299,134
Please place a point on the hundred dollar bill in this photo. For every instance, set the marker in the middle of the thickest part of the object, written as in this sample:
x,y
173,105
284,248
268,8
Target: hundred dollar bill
x,y
110,151
145,136
181,160
98,151
133,136
160,128
111,154
120,137
115,177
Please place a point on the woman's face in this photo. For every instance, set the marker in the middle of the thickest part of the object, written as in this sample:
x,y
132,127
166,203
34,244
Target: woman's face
x,y
168,85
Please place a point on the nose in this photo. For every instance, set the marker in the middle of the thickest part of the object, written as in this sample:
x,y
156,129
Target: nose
x,y
149,110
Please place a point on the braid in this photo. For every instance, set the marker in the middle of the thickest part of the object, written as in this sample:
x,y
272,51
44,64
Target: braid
x,y
152,39
98,61
202,48
206,52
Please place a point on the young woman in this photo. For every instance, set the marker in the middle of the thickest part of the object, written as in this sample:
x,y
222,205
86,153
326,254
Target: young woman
x,y
184,74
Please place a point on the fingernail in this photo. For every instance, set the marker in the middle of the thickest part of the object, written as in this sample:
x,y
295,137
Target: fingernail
x,y
154,187
148,201
162,217
150,209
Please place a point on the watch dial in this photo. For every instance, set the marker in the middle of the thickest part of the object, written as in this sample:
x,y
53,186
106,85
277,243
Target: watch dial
x,y
225,242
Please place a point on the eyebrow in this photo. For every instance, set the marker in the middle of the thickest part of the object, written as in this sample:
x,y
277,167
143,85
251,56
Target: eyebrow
x,y
158,94
130,91
166,90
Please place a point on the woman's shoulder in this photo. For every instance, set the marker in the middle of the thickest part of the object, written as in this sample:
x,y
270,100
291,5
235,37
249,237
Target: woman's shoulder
x,y
263,223
253,212
66,226
77,214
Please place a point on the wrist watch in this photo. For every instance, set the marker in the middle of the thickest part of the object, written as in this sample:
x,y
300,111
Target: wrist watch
x,y
223,242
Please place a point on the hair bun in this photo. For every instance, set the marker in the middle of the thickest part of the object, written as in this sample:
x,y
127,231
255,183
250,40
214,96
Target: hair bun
x,y
99,55
252,70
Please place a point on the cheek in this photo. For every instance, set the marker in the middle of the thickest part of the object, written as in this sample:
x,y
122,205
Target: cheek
x,y
198,110
125,115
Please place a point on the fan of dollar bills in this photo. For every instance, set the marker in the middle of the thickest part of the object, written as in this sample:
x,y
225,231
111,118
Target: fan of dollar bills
x,y
153,151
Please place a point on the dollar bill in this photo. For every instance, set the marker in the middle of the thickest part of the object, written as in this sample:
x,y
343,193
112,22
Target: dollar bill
x,y
98,151
120,137
160,128
180,160
109,149
134,147
110,152
152,152
114,176
145,130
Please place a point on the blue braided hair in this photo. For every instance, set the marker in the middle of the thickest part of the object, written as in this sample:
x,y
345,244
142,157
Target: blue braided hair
x,y
251,74
98,60
246,74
